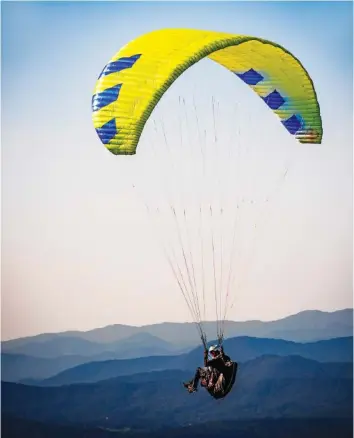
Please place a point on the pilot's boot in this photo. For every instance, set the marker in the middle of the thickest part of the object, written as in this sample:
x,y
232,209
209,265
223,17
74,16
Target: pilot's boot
x,y
189,385
186,384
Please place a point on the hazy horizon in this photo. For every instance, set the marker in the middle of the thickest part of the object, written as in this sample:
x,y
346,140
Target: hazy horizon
x,y
78,251
173,322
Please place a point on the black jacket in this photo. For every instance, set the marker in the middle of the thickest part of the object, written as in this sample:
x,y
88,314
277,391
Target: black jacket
x,y
218,363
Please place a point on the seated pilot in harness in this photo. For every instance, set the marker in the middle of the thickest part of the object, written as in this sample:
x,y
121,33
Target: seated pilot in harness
x,y
213,372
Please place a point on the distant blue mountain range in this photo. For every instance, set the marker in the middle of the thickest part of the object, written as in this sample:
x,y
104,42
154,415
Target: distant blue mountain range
x,y
127,381
42,357
71,369
165,338
268,386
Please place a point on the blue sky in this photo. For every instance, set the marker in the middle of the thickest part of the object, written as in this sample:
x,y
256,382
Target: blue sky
x,y
66,262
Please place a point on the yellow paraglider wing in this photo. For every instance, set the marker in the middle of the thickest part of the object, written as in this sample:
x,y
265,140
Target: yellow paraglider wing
x,y
132,83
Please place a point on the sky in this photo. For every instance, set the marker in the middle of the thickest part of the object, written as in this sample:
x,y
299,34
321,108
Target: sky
x,y
79,248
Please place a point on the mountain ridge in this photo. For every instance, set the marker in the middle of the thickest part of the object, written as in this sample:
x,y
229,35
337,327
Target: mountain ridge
x,y
240,349
308,325
303,388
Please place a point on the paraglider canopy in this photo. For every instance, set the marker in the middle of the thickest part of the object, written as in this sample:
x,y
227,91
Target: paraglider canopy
x,y
132,83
